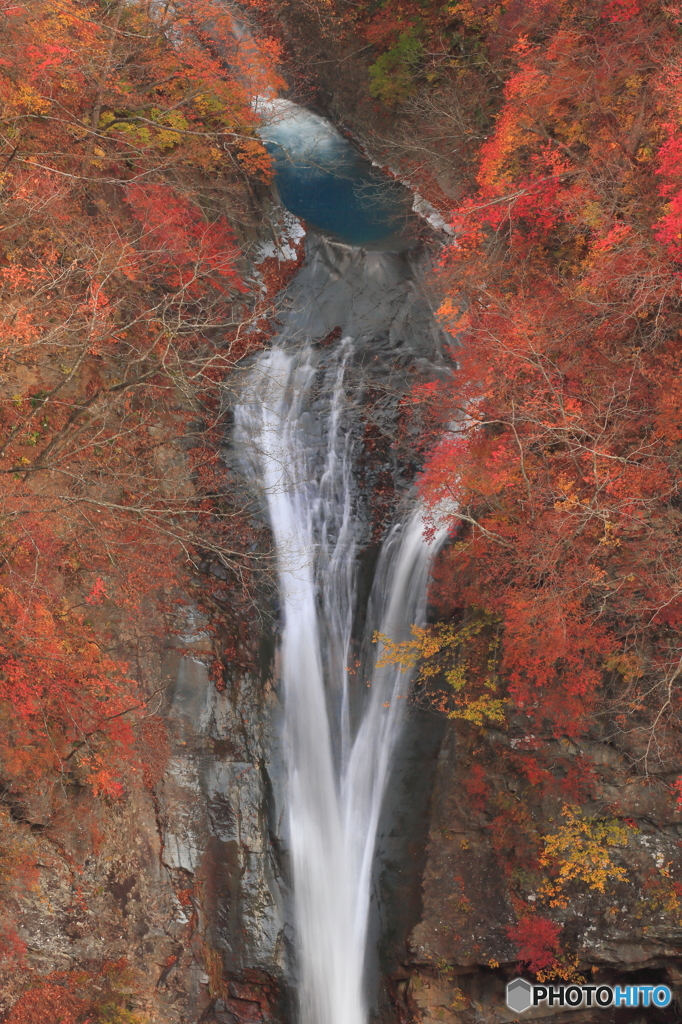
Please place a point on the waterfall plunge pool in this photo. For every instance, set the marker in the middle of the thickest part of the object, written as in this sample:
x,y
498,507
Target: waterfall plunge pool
x,y
323,179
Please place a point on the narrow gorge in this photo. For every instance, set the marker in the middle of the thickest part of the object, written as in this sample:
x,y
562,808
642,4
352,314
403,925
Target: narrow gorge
x,y
341,522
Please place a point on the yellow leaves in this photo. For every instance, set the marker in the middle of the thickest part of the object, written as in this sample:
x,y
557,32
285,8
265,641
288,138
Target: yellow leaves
x,y
208,104
456,677
440,649
31,100
580,850
478,710
428,641
474,14
572,132
609,540
663,895
165,132
596,576
564,968
569,500
173,119
628,665
592,215
406,653
166,139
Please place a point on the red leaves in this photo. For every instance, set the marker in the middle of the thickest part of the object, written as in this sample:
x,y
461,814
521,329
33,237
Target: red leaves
x,y
83,996
118,289
48,56
49,1004
178,243
98,593
562,292
537,939
55,681
676,790
669,169
12,947
557,490
618,11
477,787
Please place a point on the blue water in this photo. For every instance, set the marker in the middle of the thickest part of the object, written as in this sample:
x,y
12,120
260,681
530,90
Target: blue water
x,y
322,179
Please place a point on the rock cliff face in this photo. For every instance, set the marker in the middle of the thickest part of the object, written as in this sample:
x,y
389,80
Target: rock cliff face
x,y
182,879
219,839
185,876
459,950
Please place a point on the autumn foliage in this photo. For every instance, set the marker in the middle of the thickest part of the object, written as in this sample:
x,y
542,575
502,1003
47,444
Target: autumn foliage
x,y
537,939
130,170
560,427
129,164
91,996
127,140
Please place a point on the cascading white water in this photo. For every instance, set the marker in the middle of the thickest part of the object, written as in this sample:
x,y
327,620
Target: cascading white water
x,y
295,433
297,446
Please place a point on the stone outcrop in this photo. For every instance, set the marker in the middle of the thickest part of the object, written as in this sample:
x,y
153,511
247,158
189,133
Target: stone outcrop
x,y
181,879
460,955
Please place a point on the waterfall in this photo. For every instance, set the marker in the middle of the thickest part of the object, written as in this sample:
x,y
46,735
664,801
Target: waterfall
x,y
295,432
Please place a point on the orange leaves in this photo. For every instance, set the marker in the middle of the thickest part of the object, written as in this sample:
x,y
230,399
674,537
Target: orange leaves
x,y
45,659
49,1004
59,693
511,133
570,357
102,776
131,82
129,140
179,245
